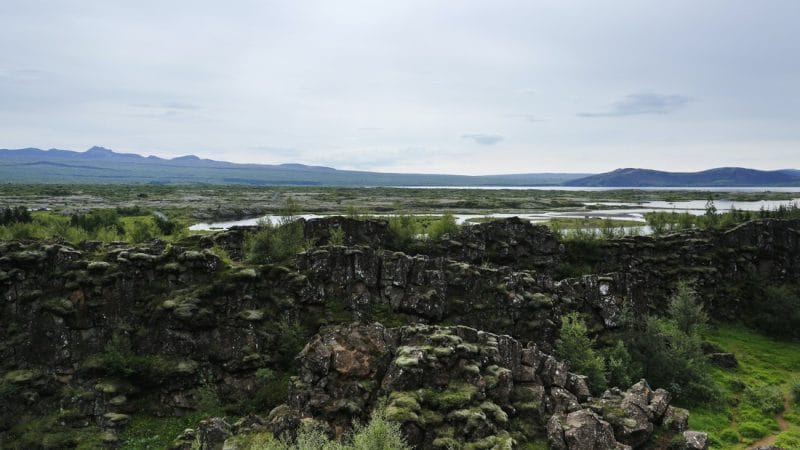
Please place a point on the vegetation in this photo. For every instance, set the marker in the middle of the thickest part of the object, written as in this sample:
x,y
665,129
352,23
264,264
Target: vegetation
x,y
753,395
379,433
669,350
665,222
575,346
276,242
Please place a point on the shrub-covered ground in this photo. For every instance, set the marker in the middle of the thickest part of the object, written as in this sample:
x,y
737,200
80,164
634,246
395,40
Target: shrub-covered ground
x,y
755,394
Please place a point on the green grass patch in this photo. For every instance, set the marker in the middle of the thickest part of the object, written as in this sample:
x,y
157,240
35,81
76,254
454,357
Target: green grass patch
x,y
751,405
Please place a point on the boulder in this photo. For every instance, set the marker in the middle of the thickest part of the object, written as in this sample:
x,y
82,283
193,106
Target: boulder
x,y
584,430
695,440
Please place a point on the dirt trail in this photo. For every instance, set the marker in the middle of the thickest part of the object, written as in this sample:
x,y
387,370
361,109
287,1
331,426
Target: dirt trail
x,y
782,426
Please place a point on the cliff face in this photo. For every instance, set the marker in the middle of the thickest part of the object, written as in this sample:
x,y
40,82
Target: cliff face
x,y
91,335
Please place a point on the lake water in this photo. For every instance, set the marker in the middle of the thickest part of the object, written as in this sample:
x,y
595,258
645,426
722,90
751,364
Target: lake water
x,y
616,211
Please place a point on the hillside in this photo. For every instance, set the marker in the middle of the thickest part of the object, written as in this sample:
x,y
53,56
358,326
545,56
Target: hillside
x,y
101,165
726,176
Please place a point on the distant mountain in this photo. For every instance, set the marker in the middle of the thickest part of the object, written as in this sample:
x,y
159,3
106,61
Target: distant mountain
x,y
721,177
102,165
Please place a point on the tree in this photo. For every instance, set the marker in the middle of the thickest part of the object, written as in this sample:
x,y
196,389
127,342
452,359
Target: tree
x,y
686,311
575,346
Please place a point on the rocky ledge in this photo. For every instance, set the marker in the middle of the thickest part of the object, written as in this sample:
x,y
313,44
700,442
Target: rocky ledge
x,y
457,387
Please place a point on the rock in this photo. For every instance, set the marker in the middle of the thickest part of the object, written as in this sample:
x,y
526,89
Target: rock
x,y
695,440
584,430
659,402
579,386
555,433
724,360
186,441
676,419
212,433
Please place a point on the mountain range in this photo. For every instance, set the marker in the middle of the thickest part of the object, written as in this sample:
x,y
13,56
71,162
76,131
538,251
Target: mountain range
x,y
102,165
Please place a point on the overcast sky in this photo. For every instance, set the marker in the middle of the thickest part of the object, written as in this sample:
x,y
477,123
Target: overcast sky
x,y
473,87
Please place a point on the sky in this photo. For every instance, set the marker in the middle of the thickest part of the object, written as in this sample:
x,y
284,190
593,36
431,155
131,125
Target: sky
x,y
466,87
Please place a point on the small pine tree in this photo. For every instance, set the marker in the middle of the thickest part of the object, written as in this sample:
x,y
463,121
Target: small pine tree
x,y
686,311
575,346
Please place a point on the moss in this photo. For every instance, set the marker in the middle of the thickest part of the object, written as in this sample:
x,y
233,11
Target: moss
x,y
494,374
109,386
495,411
473,416
408,356
22,376
407,400
97,266
500,442
429,417
59,306
457,395
252,315
446,443
401,415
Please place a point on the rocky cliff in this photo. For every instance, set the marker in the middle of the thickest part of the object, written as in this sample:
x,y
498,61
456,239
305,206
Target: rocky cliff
x,y
92,335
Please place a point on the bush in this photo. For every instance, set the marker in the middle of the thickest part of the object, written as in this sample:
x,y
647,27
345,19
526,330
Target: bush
x,y
685,310
730,436
575,346
18,214
292,339
776,311
336,236
445,225
404,228
673,360
378,434
141,231
767,398
621,371
753,430
274,243
794,390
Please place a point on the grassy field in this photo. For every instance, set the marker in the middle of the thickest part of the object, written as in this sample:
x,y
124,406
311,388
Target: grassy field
x,y
758,407
200,202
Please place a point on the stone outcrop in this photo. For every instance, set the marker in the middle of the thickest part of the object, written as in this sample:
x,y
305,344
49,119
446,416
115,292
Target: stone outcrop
x,y
450,385
90,333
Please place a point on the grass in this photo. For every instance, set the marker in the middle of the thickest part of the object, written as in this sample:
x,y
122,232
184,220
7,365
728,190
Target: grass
x,y
741,417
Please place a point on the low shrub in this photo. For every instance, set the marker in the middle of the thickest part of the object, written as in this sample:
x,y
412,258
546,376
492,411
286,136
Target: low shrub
x,y
767,398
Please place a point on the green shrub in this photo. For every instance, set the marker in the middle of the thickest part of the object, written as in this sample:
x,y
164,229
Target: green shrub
x,y
445,225
794,390
673,360
274,243
621,370
378,434
686,311
97,219
141,231
767,398
788,439
336,236
292,338
404,228
776,311
753,430
17,214
730,436
575,346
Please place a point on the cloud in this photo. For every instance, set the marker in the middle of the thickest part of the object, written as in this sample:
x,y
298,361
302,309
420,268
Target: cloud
x,y
642,103
21,74
528,117
483,139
